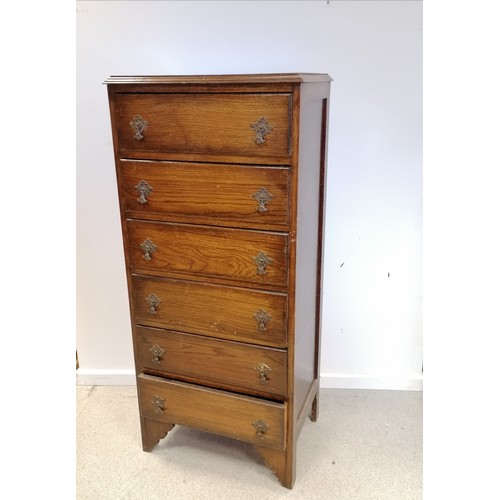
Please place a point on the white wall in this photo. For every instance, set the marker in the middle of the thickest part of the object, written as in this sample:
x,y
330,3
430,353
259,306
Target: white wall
x,y
372,324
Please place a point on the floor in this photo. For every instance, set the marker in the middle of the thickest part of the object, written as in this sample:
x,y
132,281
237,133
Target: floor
x,y
366,444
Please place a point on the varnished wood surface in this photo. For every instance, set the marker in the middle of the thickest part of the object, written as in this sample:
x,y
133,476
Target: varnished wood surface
x,y
200,123
153,431
204,360
216,311
214,194
213,410
307,249
245,79
204,251
277,461
200,156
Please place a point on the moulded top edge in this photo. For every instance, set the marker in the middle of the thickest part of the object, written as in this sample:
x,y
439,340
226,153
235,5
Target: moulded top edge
x,y
221,79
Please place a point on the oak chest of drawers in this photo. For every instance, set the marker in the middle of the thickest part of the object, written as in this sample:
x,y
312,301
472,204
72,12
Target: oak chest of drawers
x,y
221,184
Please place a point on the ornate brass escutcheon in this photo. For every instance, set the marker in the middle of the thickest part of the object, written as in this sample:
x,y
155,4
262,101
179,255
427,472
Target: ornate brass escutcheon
x,y
262,128
144,189
264,372
139,126
154,302
262,319
260,428
157,353
158,403
262,261
149,248
262,196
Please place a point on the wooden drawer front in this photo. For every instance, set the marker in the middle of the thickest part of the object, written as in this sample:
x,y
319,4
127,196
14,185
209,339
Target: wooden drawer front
x,y
220,412
217,194
217,311
212,361
203,123
253,256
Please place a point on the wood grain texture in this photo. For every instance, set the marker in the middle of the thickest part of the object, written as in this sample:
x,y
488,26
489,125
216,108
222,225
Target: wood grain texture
x,y
200,156
200,123
206,193
216,311
307,248
277,461
212,361
204,251
211,80
214,411
153,431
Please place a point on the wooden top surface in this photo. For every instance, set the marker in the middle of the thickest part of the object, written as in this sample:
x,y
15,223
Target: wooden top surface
x,y
220,79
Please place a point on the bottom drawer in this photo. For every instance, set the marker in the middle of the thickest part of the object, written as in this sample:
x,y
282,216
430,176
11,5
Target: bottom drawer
x,y
240,417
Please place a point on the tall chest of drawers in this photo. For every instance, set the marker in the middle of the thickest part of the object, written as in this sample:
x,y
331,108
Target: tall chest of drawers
x,y
221,184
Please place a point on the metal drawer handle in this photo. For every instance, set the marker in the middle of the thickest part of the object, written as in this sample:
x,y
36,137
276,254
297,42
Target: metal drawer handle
x,y
157,353
262,261
154,302
260,428
139,126
144,189
158,404
149,248
262,128
264,372
262,318
262,196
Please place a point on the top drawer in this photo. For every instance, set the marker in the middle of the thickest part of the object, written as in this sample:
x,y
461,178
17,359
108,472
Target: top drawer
x,y
256,125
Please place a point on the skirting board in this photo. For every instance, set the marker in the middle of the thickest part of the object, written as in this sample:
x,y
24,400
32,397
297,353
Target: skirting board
x,y
105,377
355,381
327,380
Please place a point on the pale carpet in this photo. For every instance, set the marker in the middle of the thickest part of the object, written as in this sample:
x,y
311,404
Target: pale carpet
x,y
365,445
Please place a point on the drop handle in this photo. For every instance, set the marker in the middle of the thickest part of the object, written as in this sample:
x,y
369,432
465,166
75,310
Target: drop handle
x,y
262,197
159,405
144,189
260,428
153,302
262,318
157,353
261,128
148,248
262,261
263,370
138,126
